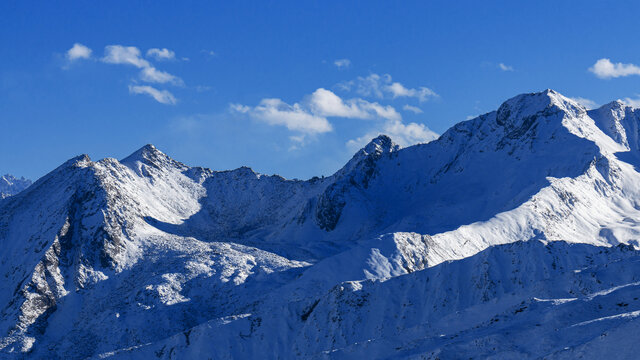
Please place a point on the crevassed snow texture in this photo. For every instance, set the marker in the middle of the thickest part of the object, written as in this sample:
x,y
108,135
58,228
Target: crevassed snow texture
x,y
513,235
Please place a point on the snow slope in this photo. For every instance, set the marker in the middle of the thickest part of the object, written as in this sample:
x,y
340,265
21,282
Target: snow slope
x,y
519,224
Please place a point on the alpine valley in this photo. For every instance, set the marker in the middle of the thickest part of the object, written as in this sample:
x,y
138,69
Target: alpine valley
x,y
513,235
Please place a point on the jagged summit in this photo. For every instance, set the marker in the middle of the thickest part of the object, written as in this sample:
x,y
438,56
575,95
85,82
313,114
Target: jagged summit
x,y
11,185
523,109
616,104
616,108
619,121
380,145
374,150
150,155
9,180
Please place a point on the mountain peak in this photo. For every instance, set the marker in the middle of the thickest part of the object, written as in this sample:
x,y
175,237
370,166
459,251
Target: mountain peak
x,y
525,107
609,118
151,156
380,145
78,161
614,105
616,108
11,185
367,156
148,151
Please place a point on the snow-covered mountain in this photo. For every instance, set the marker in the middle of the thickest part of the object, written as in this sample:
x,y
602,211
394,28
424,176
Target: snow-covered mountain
x,y
10,185
513,235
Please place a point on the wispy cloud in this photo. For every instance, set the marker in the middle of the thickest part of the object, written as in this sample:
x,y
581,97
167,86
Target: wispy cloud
x,y
422,93
209,53
161,54
605,69
381,86
342,63
413,109
504,67
161,96
202,88
154,75
78,51
293,117
635,103
587,103
311,117
131,55
369,86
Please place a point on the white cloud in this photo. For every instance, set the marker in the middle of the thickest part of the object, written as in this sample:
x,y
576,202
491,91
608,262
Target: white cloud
x,y
409,134
413,109
605,69
378,86
78,51
403,134
154,75
325,103
161,96
310,117
293,117
587,103
161,54
422,94
129,55
504,67
342,63
243,109
635,103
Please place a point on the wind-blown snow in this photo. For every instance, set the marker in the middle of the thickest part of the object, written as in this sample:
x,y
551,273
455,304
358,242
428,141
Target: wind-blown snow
x,y
519,224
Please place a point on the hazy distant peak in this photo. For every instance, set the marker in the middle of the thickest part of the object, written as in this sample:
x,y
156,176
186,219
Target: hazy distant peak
x,y
11,185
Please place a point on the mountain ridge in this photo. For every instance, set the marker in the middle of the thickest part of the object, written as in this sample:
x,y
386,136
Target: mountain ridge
x,y
162,247
11,185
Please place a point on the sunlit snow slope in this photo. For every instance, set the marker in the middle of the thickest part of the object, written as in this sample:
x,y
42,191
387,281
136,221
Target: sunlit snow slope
x,y
513,235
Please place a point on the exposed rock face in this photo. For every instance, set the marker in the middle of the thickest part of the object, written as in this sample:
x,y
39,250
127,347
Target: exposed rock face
x,y
519,224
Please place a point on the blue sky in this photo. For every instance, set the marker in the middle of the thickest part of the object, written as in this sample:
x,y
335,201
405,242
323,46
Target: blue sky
x,y
287,87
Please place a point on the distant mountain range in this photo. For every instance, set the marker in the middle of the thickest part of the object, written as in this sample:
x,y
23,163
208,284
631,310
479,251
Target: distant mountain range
x,y
513,235
10,185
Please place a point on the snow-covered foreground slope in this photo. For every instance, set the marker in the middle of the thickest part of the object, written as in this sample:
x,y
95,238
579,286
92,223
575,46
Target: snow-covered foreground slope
x,y
11,185
465,245
520,300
